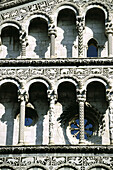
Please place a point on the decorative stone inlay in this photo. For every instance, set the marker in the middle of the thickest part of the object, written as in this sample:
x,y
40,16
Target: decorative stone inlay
x,y
24,73
55,161
43,6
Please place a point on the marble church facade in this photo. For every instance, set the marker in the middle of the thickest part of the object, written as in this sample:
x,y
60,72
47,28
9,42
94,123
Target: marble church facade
x,y
56,85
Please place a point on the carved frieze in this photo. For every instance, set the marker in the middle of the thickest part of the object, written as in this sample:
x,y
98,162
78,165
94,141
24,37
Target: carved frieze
x,y
43,6
55,161
54,73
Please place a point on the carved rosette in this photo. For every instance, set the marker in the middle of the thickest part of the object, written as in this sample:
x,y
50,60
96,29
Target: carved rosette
x,y
52,99
80,28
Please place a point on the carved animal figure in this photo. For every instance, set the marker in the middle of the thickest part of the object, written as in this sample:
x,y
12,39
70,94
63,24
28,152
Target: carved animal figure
x,y
59,160
96,71
65,71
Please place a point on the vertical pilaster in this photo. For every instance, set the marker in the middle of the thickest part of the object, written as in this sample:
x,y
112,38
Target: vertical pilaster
x,y
109,32
52,34
80,28
22,98
52,99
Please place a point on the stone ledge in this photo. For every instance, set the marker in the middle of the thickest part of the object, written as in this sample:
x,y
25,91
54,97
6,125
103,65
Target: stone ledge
x,y
57,62
56,149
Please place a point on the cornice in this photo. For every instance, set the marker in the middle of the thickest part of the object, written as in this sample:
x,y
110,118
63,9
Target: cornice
x,y
56,62
12,3
56,149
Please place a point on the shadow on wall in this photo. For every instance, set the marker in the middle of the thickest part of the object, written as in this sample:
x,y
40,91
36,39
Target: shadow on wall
x,y
67,33
9,107
10,42
67,98
38,39
38,97
95,30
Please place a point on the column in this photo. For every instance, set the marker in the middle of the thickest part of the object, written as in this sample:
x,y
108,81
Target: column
x,y
0,41
110,100
22,98
52,34
24,43
80,28
81,98
109,32
52,99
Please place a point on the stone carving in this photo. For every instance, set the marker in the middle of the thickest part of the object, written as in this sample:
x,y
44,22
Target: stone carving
x,y
75,160
13,161
58,160
88,161
53,73
80,26
44,6
54,161
43,160
27,161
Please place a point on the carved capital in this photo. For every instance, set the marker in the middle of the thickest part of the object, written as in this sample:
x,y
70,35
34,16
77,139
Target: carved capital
x,y
23,37
81,95
109,28
52,30
22,95
52,96
80,23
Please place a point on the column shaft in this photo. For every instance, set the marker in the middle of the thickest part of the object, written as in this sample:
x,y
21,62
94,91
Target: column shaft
x,y
80,28
23,49
81,121
110,44
52,46
21,122
51,122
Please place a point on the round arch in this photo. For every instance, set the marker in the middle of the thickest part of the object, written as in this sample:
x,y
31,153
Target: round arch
x,y
100,166
99,6
66,166
36,166
10,81
64,6
88,80
38,80
45,17
10,23
7,166
66,79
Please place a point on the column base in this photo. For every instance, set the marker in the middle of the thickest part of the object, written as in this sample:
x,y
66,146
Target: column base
x,y
82,142
111,141
51,143
110,56
53,56
81,57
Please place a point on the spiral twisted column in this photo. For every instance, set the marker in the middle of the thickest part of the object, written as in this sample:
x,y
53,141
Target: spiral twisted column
x,y
23,42
80,28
